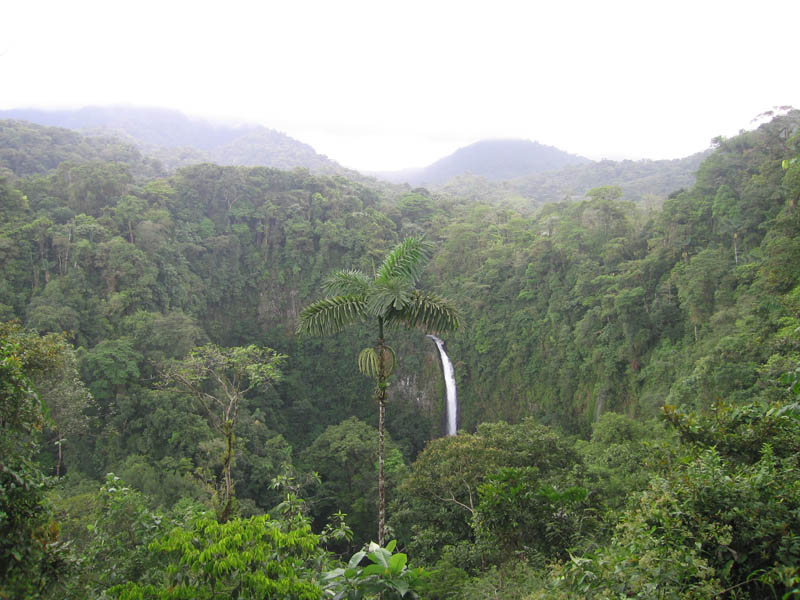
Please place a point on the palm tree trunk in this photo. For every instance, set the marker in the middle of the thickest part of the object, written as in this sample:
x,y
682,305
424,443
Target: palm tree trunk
x,y
381,397
381,483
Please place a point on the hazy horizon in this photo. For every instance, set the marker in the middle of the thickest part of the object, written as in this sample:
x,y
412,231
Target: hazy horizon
x,y
232,122
380,88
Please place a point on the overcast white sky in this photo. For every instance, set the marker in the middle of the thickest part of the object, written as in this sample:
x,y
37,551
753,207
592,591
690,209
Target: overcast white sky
x,y
387,85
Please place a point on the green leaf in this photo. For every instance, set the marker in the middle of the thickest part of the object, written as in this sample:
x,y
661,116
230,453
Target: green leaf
x,y
331,315
348,283
405,261
376,569
381,556
401,587
397,562
334,574
356,559
368,362
426,311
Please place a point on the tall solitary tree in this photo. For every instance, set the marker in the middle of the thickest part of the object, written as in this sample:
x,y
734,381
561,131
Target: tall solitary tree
x,y
218,379
389,299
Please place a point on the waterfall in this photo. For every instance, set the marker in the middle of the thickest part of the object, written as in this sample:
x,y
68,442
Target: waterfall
x,y
450,386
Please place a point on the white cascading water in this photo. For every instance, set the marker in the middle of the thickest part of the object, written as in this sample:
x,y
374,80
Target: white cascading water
x,y
450,386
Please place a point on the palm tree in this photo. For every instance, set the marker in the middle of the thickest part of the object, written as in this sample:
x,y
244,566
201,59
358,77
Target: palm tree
x,y
389,298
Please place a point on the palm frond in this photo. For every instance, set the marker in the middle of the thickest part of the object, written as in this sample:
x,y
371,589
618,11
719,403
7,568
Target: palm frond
x,y
331,314
369,362
349,282
392,294
428,312
405,260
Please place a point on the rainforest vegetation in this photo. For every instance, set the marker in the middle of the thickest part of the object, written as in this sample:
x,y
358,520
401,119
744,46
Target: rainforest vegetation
x,y
628,376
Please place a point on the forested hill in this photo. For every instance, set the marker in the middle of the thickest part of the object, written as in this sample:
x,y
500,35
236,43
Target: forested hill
x,y
27,148
594,306
520,172
527,174
599,294
494,160
645,182
177,140
582,321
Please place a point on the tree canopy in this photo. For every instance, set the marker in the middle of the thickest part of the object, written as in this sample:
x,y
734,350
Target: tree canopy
x,y
627,374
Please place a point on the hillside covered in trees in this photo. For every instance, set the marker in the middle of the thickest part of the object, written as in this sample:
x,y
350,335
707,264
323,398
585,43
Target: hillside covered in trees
x,y
627,377
518,172
177,140
646,183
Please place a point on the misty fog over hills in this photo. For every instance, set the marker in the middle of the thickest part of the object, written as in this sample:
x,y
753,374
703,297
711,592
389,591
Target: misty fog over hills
x,y
177,139
495,160
500,169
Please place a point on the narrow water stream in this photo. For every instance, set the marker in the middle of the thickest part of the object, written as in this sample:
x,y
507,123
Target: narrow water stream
x,y
450,387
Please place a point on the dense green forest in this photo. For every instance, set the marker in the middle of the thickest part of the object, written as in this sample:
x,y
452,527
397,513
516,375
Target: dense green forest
x,y
644,182
628,375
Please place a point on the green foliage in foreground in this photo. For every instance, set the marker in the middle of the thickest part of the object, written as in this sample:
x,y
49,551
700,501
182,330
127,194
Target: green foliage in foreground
x,y
448,490
716,523
386,577
242,558
33,559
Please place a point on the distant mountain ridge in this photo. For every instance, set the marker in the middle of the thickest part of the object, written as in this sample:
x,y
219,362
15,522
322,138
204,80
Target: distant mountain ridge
x,y
494,160
27,148
521,171
177,139
645,182
637,178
